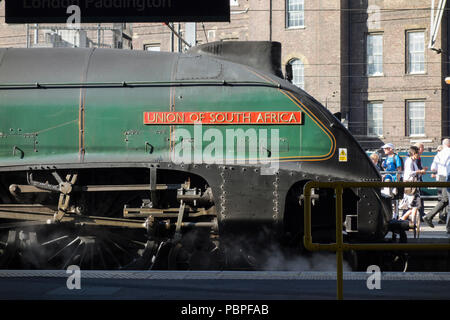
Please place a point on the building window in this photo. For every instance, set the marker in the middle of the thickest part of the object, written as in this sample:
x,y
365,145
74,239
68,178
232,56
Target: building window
x,y
374,54
211,35
298,70
295,15
416,52
152,47
416,118
375,119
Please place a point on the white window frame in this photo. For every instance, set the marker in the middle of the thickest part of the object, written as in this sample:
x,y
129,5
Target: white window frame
x,y
415,53
300,13
211,35
152,45
374,119
374,54
417,117
300,67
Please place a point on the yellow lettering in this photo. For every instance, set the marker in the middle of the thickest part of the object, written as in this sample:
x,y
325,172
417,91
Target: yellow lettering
x,y
260,118
282,115
149,117
220,115
171,117
180,117
273,117
160,117
193,117
293,118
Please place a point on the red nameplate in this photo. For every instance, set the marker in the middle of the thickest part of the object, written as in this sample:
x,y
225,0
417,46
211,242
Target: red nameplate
x,y
229,117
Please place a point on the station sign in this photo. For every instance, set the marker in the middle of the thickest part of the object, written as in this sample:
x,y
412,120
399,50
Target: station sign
x,y
104,11
224,118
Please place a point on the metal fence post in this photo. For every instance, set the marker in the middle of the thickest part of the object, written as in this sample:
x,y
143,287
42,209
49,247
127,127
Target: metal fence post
x,y
339,242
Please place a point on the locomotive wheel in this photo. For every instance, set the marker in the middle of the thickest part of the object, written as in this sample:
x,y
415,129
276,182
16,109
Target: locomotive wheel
x,y
91,248
197,255
158,255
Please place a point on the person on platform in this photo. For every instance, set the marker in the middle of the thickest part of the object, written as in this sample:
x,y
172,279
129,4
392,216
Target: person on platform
x,y
443,212
411,174
375,159
392,163
441,165
419,165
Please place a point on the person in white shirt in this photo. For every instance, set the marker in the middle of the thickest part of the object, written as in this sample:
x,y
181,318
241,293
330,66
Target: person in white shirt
x,y
443,212
411,199
441,165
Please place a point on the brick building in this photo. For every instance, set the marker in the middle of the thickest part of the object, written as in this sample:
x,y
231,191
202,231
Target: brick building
x,y
396,89
109,35
368,59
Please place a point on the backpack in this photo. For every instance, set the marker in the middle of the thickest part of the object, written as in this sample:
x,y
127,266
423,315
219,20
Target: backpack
x,y
401,190
401,161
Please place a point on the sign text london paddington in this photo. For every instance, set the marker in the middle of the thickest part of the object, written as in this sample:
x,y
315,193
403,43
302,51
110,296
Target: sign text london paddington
x,y
96,11
230,117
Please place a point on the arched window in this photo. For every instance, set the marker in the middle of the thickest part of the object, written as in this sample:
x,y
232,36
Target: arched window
x,y
298,77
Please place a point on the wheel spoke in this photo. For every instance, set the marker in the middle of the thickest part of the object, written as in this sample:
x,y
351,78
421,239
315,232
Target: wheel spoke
x,y
70,259
82,255
112,255
54,240
121,249
100,254
91,255
64,248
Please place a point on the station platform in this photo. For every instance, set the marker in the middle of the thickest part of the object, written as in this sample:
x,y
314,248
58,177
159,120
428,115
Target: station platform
x,y
439,232
220,285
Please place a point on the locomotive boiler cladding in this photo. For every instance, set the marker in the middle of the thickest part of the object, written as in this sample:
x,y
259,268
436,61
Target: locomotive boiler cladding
x,y
116,159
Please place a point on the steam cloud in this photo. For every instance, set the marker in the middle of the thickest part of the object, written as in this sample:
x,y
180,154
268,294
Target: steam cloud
x,y
318,261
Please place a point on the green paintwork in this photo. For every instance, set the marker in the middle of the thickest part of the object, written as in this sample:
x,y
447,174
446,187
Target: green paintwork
x,y
79,112
294,140
43,123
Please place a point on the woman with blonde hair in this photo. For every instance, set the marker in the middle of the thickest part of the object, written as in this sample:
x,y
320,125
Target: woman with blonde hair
x,y
375,158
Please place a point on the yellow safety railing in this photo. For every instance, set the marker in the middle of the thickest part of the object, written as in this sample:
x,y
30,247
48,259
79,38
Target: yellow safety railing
x,y
339,247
